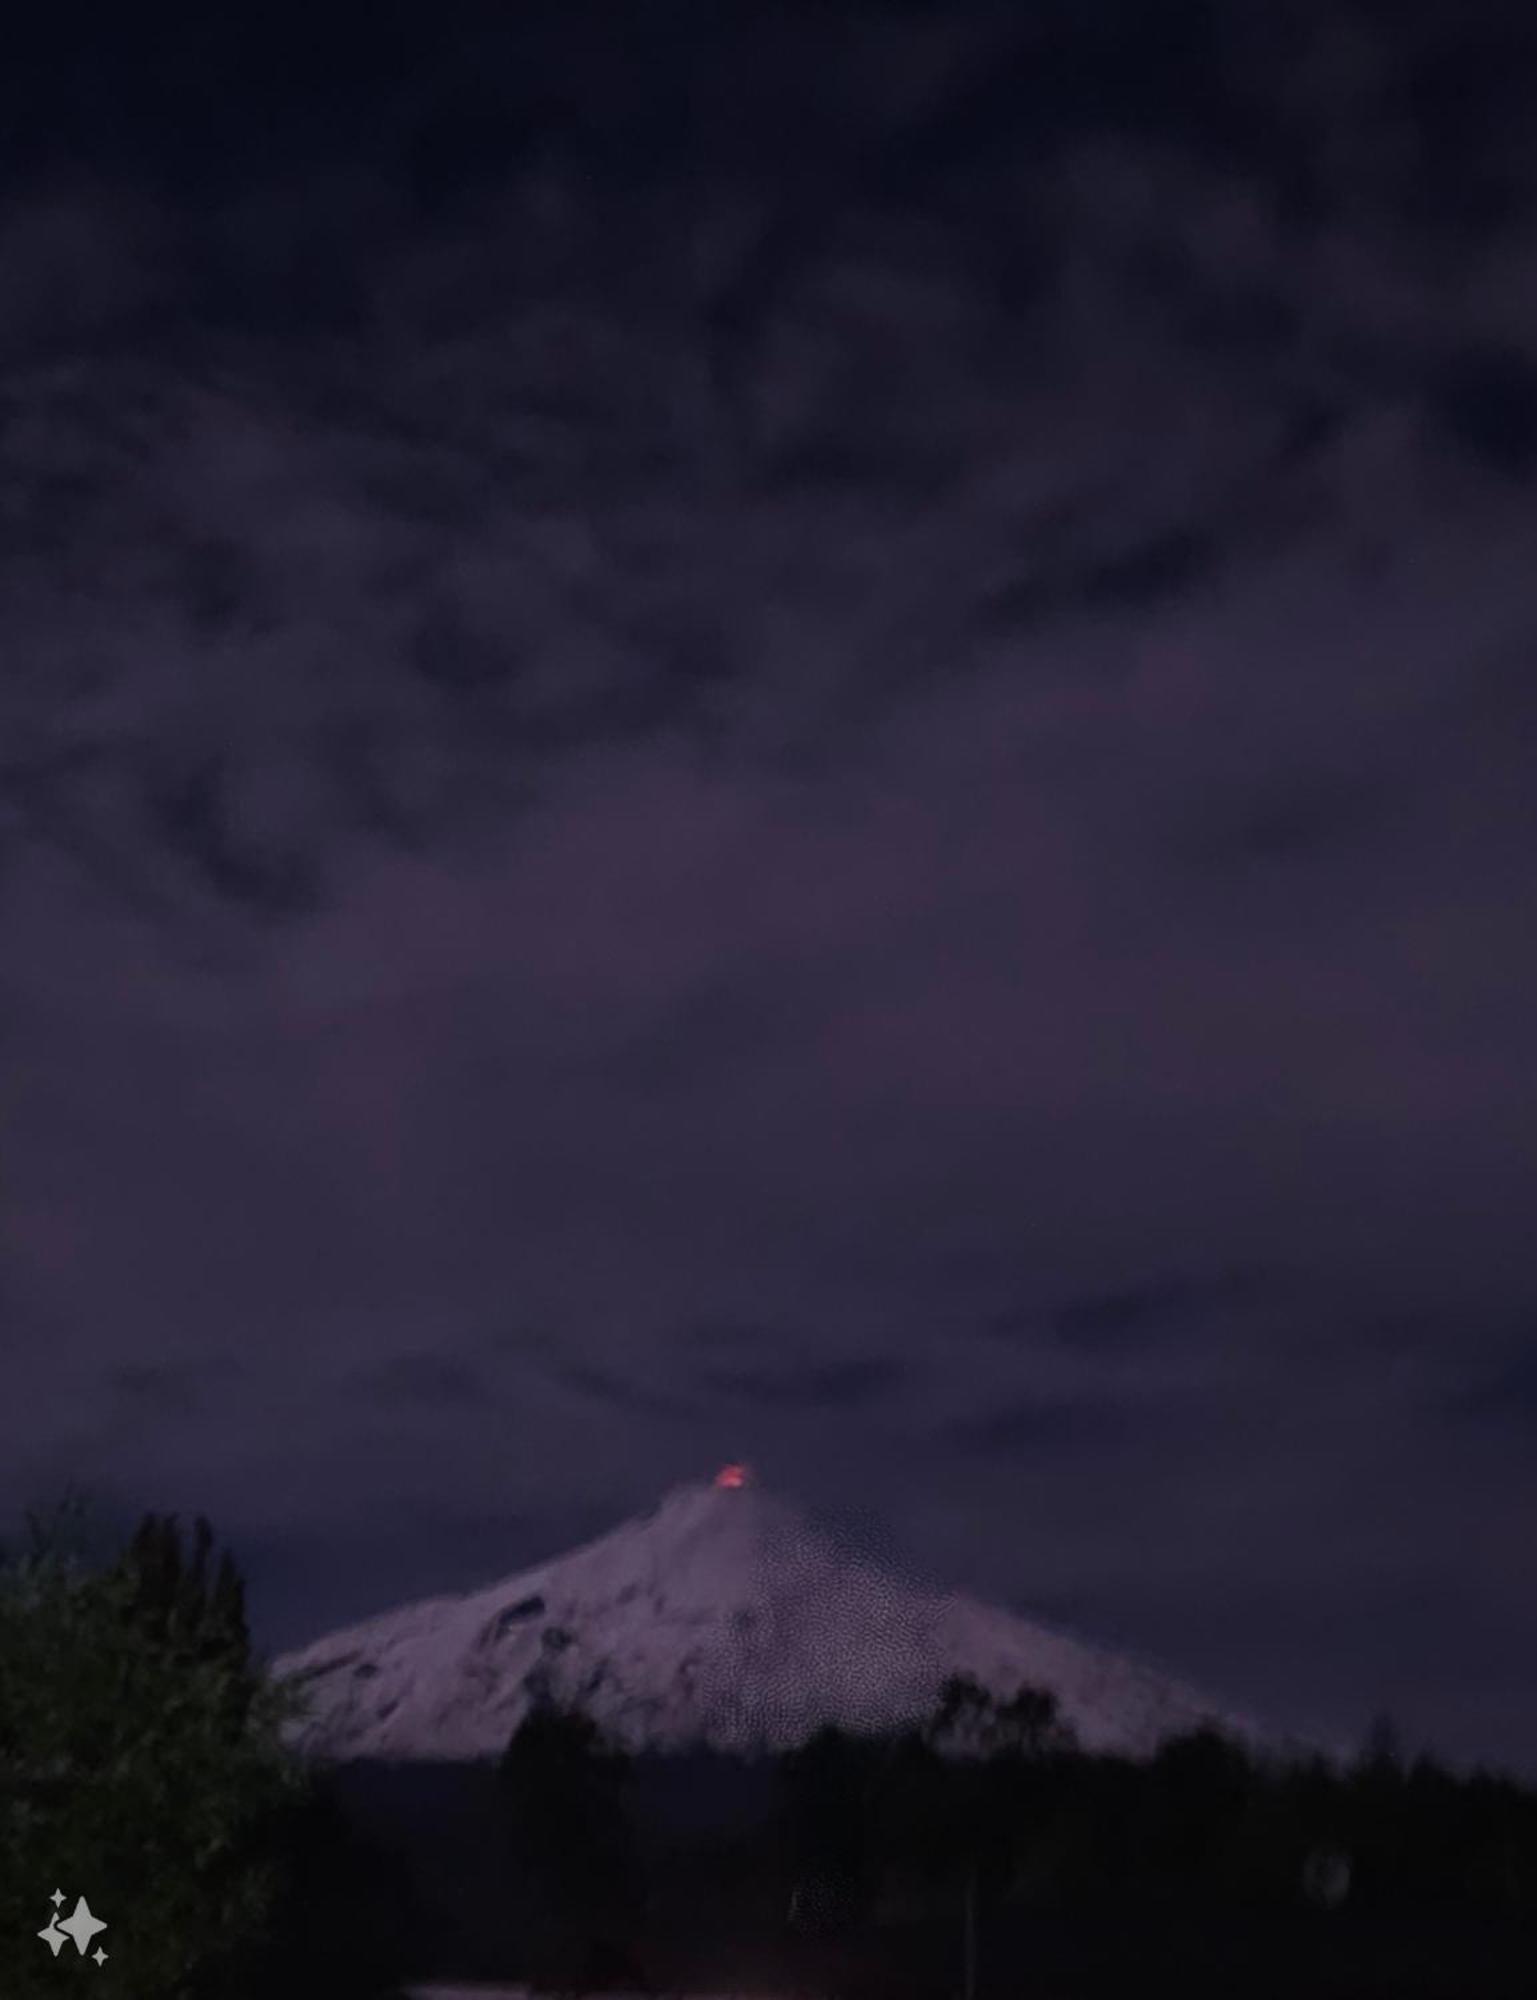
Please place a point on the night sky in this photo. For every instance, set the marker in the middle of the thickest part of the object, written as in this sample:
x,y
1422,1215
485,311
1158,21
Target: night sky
x,y
803,734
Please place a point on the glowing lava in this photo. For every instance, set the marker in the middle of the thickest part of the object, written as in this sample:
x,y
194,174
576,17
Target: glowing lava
x,y
731,1475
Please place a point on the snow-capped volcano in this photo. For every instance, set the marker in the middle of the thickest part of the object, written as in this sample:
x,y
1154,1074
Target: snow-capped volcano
x,y
726,1618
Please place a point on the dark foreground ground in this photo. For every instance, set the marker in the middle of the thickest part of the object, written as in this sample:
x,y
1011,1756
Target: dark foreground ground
x,y
708,1931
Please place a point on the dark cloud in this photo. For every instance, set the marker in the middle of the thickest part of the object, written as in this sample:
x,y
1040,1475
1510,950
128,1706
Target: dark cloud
x,y
427,1380
612,1391
1166,566
1134,1317
193,813
727,1018
1034,1425
1484,397
167,1389
1504,1392
1137,1312
1291,820
846,1385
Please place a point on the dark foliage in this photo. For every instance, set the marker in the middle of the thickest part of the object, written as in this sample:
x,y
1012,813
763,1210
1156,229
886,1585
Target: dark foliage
x,y
140,1762
348,1924
572,1839
861,1865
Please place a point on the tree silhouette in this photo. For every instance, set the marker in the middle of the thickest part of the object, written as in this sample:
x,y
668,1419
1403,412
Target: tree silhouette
x,y
828,1789
572,1840
140,1764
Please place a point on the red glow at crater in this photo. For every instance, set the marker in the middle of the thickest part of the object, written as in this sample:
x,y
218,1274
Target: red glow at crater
x,y
731,1475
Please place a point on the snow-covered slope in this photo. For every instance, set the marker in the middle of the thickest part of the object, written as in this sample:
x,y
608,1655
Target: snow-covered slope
x,y
726,1618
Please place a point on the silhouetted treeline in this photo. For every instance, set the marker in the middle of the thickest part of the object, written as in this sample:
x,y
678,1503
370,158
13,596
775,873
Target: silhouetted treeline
x,y
1207,1821
991,1840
